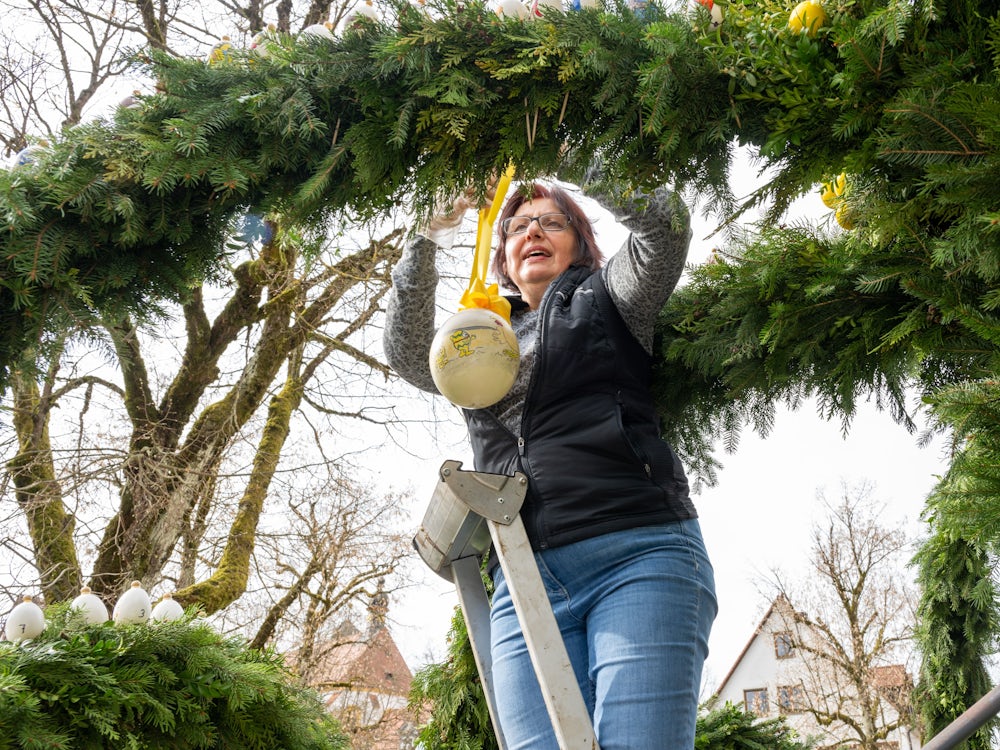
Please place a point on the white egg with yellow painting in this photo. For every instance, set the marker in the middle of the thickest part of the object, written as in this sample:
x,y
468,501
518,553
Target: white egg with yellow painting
x,y
474,358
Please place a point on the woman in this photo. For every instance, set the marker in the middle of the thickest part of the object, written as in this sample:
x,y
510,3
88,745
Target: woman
x,y
608,513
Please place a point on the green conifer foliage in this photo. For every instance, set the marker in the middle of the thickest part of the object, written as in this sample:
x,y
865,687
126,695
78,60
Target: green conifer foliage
x,y
164,685
958,619
729,727
957,627
459,717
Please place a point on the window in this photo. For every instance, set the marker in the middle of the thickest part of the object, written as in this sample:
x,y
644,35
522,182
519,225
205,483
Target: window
x,y
791,699
755,701
783,646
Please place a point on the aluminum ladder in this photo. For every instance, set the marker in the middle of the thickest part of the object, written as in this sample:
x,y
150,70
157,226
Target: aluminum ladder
x,y
468,512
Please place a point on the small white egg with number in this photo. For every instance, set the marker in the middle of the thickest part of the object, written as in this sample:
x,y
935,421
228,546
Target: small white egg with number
x,y
25,621
134,606
167,610
90,604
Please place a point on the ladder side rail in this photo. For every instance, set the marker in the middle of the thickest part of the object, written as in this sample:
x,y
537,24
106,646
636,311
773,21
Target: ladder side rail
x,y
476,610
563,700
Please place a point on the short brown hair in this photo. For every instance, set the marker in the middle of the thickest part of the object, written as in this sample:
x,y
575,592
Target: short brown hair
x,y
588,254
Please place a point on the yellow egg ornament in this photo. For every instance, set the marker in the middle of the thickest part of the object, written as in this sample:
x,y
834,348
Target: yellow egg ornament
x,y
833,192
807,17
474,358
843,216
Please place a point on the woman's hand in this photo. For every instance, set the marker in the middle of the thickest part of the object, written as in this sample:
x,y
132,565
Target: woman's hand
x,y
452,216
442,226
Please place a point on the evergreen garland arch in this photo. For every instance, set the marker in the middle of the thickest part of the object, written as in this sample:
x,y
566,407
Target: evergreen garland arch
x,y
134,208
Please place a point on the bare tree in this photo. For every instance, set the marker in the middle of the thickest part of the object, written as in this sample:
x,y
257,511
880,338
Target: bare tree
x,y
851,628
157,449
332,544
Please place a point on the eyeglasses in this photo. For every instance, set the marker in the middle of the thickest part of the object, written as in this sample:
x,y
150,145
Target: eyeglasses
x,y
548,222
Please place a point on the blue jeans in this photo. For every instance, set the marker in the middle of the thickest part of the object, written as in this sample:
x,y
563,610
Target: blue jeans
x,y
635,609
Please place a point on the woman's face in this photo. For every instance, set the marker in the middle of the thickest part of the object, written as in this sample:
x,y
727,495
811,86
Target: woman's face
x,y
537,256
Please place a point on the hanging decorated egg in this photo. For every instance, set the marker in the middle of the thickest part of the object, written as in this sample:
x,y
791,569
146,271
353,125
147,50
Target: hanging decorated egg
x,y
255,228
512,9
807,17
844,216
90,605
25,621
833,196
537,5
582,4
132,101
714,10
222,51
474,358
133,607
353,20
259,42
318,30
167,610
367,10
639,7
833,192
26,157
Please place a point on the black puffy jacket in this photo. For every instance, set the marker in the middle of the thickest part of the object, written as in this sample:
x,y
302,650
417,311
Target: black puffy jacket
x,y
589,441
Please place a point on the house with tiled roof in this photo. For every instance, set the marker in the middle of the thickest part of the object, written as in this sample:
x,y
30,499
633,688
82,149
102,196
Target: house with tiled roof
x,y
776,674
365,683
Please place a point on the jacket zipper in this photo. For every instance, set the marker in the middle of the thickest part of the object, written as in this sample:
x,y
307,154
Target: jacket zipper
x,y
628,438
540,359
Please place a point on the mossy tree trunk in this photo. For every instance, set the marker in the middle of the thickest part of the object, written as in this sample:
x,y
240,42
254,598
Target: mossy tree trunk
x,y
177,442
39,493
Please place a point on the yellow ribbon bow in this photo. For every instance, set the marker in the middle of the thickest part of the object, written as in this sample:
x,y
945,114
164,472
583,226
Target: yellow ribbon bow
x,y
487,297
478,294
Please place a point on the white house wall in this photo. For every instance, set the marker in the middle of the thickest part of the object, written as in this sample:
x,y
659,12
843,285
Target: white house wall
x,y
759,667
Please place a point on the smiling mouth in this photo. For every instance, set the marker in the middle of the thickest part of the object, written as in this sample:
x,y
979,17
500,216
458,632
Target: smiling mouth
x,y
536,254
